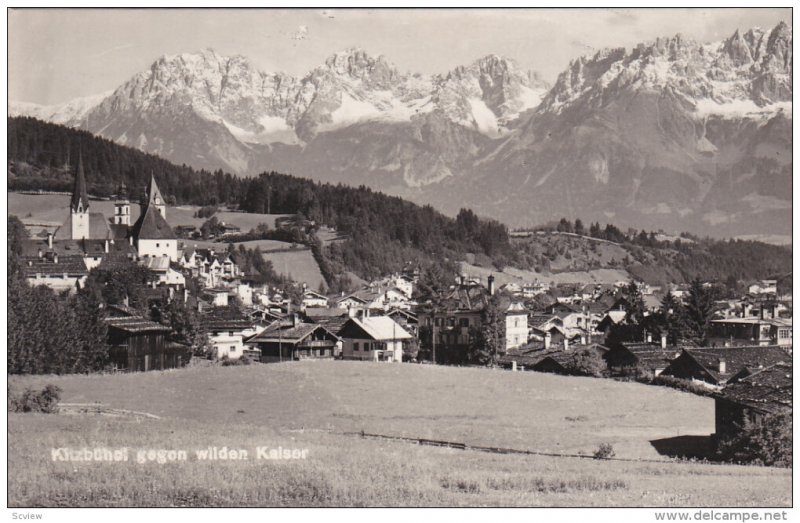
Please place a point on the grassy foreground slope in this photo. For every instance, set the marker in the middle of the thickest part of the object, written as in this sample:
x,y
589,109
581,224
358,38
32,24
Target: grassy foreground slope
x,y
310,404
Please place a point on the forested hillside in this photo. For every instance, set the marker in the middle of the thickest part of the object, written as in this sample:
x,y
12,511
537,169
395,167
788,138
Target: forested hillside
x,y
384,233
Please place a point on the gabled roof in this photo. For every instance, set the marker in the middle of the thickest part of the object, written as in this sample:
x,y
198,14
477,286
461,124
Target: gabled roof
x,y
736,359
768,390
288,332
135,324
71,265
381,328
151,225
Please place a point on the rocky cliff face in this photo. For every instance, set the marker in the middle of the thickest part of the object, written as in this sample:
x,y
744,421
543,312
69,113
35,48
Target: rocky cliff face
x,y
670,134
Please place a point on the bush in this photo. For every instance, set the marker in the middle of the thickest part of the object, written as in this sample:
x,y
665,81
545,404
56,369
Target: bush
x,y
587,362
604,451
206,212
225,361
767,441
45,400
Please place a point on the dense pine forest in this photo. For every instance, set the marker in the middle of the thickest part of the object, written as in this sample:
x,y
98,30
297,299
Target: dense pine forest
x,y
384,232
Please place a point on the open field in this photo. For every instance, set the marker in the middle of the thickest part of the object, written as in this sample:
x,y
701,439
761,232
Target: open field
x,y
311,404
55,208
299,264
520,276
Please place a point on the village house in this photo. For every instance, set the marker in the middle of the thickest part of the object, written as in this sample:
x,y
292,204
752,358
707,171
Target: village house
x,y
647,357
460,314
764,287
718,366
373,338
751,331
314,299
291,339
227,331
766,391
60,273
137,344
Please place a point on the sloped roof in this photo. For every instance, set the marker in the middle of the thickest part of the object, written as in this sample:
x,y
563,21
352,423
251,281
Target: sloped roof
x,y
382,328
151,225
71,265
768,390
136,324
736,359
287,332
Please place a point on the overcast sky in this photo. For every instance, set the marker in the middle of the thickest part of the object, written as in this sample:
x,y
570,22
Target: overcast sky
x,y
57,55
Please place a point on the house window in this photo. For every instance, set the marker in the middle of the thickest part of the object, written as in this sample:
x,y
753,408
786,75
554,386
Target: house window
x,y
157,245
355,345
451,322
464,322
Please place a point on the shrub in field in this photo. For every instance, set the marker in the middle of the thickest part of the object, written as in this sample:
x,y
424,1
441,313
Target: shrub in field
x,y
604,451
587,362
45,400
767,441
228,362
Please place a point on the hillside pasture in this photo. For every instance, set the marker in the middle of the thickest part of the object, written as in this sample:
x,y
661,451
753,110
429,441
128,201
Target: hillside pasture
x,y
312,405
55,208
299,264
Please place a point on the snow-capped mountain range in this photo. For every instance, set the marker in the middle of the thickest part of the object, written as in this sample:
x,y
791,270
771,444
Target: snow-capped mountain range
x,y
671,133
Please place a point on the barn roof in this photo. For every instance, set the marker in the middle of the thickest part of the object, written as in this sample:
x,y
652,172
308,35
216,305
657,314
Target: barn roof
x,y
736,359
135,324
769,389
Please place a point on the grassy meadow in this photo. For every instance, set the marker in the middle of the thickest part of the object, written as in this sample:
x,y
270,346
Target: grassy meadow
x,y
54,208
310,405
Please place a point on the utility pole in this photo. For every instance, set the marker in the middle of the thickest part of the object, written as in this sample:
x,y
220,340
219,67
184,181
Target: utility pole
x,y
433,335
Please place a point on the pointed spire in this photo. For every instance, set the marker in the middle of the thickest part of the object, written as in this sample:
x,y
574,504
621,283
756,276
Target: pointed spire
x,y
80,200
153,194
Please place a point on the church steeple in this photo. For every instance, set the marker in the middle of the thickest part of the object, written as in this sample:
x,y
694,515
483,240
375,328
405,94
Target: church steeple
x,y
154,197
80,200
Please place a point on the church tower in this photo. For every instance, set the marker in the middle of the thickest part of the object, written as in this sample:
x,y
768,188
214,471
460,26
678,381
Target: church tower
x,y
122,207
154,197
79,205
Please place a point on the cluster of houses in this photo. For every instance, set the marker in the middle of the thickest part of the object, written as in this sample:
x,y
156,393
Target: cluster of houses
x,y
750,338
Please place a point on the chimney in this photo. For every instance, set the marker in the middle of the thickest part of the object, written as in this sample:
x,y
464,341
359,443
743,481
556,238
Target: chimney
x,y
105,247
295,320
491,285
547,339
663,341
49,240
722,366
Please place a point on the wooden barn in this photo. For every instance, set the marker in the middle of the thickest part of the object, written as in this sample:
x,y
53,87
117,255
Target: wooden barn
x,y
767,391
137,344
